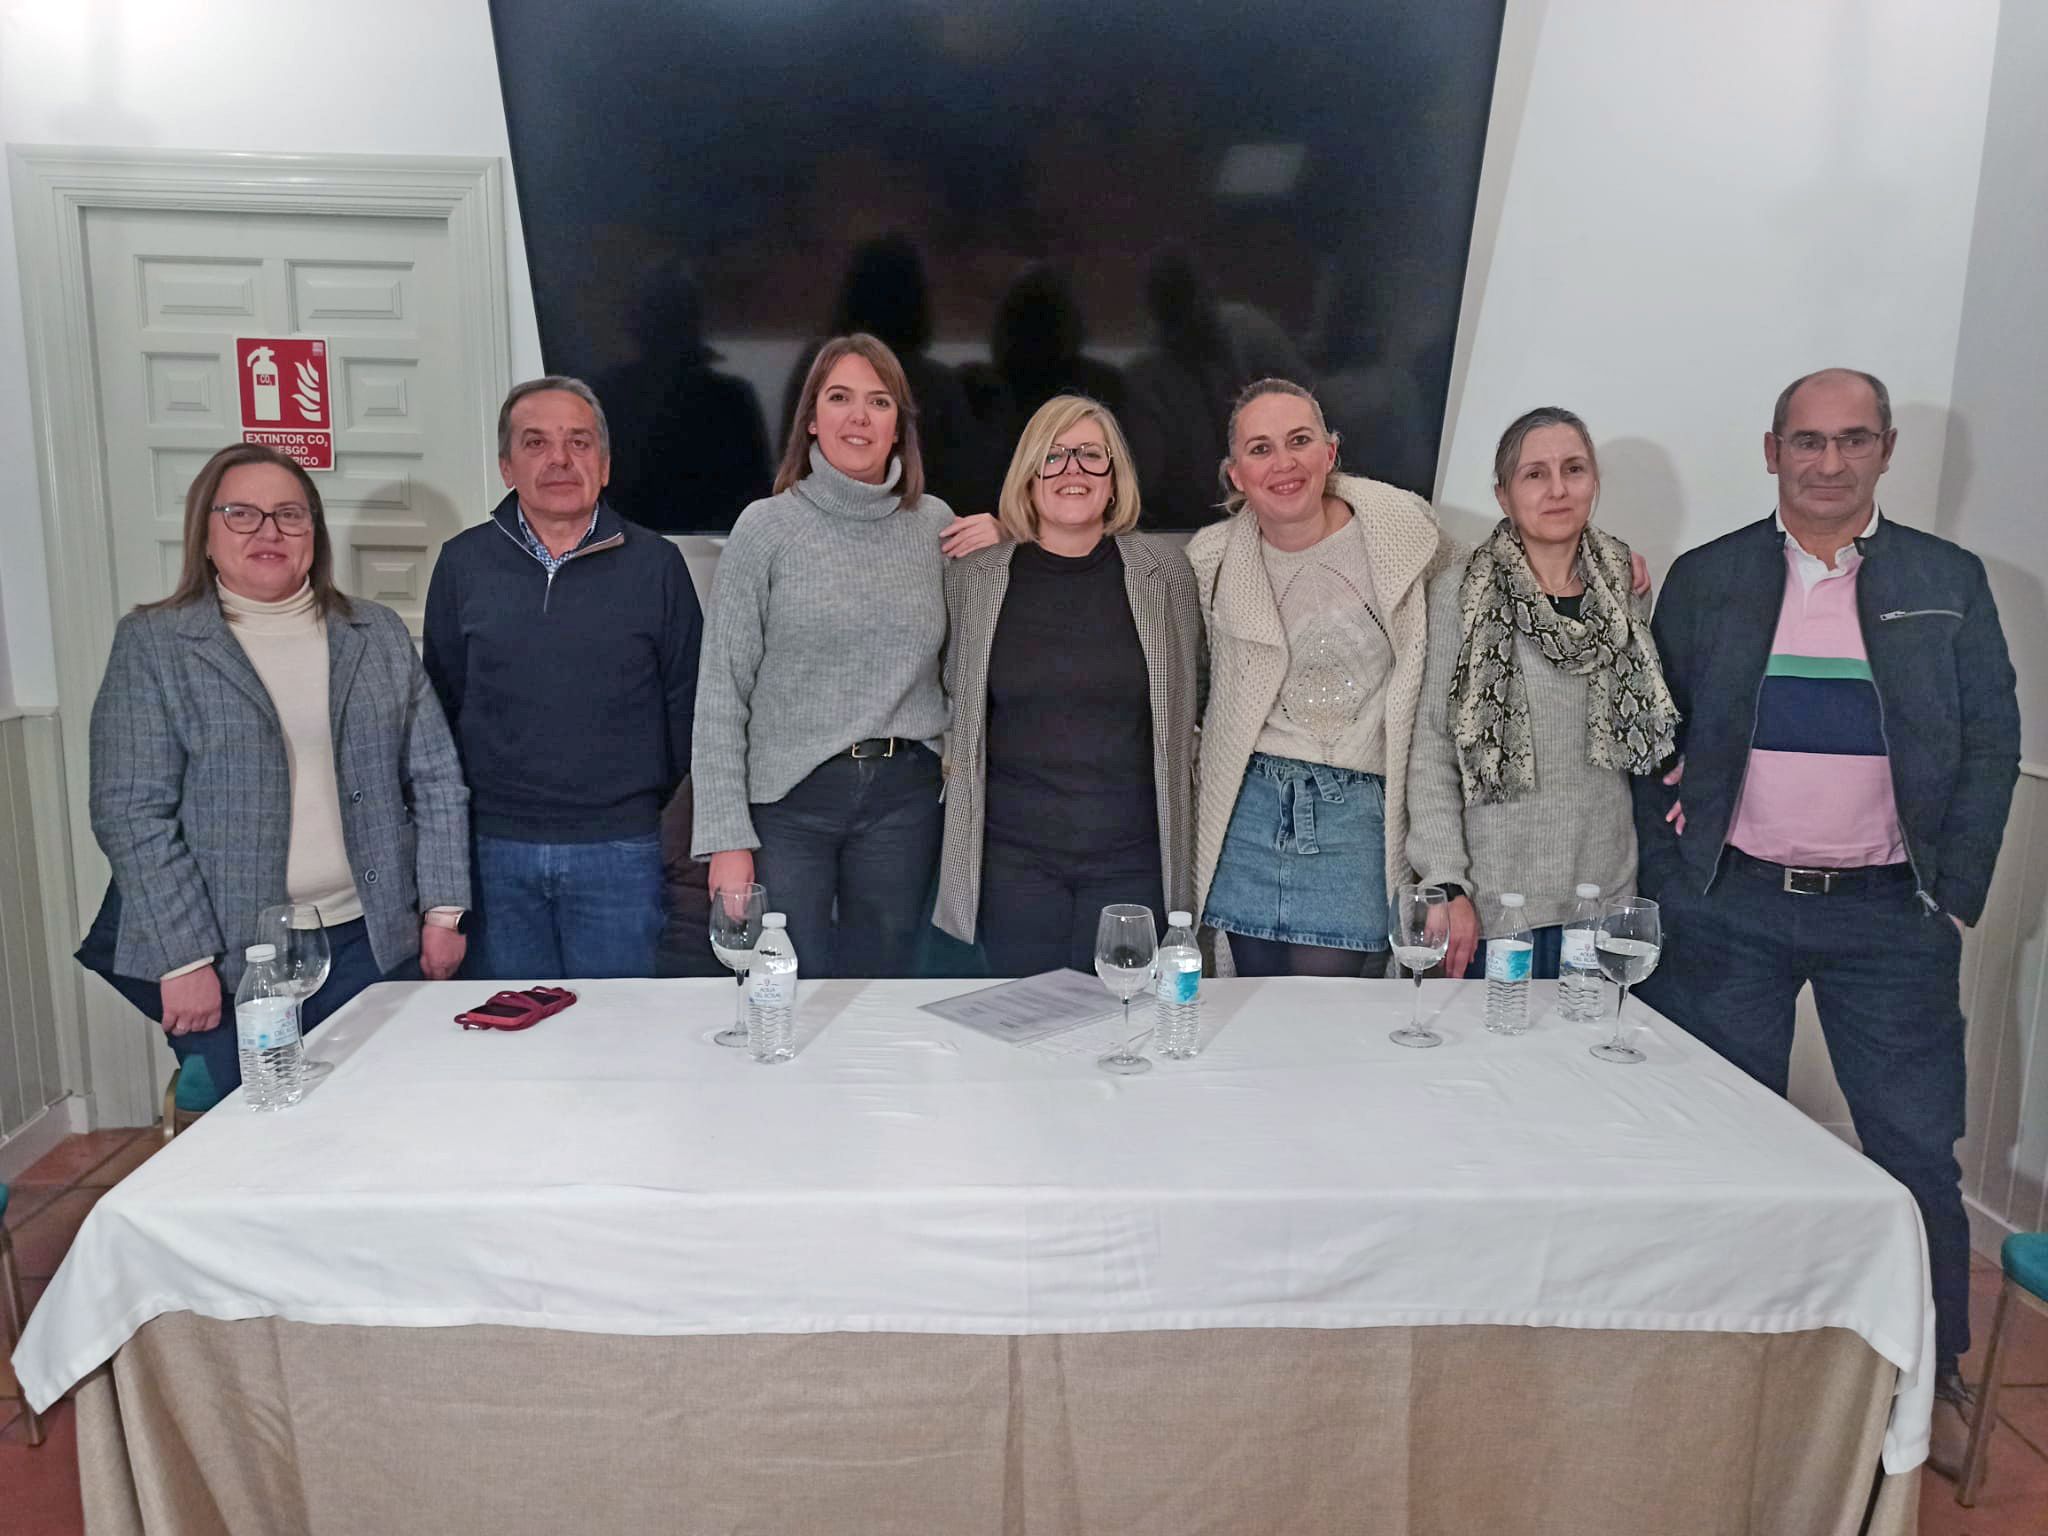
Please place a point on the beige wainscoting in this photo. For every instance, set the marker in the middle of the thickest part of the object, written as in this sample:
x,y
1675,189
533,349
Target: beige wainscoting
x,y
2005,962
40,1059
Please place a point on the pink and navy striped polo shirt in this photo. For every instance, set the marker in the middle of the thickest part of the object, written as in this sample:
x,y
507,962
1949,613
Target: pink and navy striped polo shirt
x,y
1818,792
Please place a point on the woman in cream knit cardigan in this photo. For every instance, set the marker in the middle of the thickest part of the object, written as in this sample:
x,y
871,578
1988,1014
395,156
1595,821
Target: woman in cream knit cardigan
x,y
1313,598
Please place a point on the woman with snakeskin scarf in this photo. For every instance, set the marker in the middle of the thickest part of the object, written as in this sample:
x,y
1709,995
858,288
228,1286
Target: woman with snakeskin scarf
x,y
1541,696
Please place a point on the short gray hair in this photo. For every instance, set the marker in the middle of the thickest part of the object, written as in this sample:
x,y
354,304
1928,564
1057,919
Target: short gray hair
x,y
541,386
1507,455
1784,406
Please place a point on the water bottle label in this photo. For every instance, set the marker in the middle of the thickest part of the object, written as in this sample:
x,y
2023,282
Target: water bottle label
x,y
266,1023
1180,979
1508,960
772,989
1579,949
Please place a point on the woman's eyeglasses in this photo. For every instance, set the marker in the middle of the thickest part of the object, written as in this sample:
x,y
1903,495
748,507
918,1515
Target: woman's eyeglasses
x,y
292,517
1092,459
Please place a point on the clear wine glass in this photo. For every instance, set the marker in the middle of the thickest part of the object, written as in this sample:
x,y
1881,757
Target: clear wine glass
x,y
736,912
1422,933
304,957
1630,940
1126,948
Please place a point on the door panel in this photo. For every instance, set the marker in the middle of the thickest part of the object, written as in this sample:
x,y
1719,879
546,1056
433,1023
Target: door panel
x,y
171,291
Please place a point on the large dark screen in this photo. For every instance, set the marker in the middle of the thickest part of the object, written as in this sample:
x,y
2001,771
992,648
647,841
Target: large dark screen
x,y
1151,203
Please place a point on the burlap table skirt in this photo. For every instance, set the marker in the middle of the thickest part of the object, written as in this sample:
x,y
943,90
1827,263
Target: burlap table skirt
x,y
282,1428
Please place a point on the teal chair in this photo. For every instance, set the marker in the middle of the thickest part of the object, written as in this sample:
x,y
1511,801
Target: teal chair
x,y
2025,1260
13,1315
189,1094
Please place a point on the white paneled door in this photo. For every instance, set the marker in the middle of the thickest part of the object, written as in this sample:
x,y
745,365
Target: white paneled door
x,y
170,292
140,268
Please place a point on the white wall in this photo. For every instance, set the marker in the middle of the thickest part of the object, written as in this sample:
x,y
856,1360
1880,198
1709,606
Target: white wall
x,y
1685,207
1992,494
412,77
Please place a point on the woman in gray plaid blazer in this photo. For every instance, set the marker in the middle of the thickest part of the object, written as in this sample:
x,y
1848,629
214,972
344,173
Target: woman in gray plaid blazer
x,y
1073,669
260,738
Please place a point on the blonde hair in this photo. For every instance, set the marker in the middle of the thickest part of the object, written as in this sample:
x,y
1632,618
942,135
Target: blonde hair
x,y
1258,389
1015,509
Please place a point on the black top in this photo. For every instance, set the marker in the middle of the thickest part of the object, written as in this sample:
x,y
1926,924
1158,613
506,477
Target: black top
x,y
1568,607
1069,709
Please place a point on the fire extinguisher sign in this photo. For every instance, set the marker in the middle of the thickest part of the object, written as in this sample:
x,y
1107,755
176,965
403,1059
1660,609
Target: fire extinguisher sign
x,y
287,396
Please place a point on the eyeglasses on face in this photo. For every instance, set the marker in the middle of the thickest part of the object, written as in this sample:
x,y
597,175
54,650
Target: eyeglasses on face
x,y
1093,459
292,517
1858,443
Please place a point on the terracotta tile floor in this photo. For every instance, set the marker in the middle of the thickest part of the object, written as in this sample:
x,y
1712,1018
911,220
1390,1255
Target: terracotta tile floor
x,y
39,1487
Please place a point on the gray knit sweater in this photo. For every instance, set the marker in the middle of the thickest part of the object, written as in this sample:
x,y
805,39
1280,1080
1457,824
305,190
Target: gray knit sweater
x,y
828,617
1577,825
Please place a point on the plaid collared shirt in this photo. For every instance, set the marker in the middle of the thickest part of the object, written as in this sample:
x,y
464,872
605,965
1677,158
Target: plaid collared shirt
x,y
553,562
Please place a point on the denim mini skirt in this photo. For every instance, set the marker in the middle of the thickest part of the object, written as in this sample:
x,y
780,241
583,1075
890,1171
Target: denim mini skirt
x,y
1304,858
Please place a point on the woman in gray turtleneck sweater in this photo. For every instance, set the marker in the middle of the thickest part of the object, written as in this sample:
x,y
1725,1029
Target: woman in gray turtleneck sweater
x,y
820,707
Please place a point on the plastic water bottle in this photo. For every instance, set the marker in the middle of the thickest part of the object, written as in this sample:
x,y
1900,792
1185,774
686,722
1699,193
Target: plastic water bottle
x,y
1579,963
1509,959
771,993
267,1033
1178,1027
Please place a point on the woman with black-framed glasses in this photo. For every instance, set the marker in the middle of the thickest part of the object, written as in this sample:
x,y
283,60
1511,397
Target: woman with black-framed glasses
x,y
1072,668
261,739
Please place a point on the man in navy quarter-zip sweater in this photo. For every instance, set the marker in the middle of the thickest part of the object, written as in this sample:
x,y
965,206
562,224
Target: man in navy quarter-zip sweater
x,y
563,641
1849,747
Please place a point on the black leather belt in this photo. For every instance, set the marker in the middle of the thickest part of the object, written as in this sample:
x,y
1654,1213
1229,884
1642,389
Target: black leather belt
x,y
878,746
1803,881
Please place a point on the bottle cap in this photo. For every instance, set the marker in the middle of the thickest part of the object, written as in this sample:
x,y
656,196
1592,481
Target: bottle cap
x,y
1511,898
1180,920
1589,892
257,952
774,920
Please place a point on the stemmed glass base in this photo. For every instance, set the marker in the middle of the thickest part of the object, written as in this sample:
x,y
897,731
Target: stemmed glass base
x,y
315,1070
1124,1061
1617,1049
1413,1034
735,1033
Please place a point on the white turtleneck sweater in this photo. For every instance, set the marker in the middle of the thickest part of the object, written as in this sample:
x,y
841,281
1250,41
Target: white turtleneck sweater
x,y
287,645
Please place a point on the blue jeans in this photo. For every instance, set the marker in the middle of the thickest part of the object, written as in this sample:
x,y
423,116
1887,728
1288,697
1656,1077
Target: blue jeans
x,y
861,835
1884,974
565,911
1543,962
354,968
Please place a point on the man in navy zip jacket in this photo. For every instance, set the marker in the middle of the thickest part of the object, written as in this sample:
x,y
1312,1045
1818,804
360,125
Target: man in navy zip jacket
x,y
1847,758
563,641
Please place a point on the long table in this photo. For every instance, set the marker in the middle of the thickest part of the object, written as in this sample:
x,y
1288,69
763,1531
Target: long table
x,y
917,1279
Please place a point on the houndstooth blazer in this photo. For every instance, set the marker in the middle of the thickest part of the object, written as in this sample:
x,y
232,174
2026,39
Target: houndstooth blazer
x,y
191,787
1163,605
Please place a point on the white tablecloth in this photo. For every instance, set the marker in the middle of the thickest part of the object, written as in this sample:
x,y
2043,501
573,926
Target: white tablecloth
x,y
611,1171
